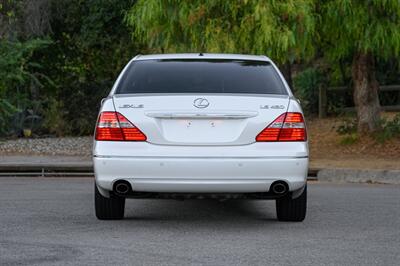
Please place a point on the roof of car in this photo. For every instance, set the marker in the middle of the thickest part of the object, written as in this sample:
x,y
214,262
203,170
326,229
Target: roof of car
x,y
202,56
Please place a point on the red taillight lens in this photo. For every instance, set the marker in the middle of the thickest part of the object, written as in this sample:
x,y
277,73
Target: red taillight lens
x,y
294,128
271,133
116,127
108,127
287,127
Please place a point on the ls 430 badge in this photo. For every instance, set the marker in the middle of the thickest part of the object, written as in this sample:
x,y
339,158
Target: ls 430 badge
x,y
131,106
272,107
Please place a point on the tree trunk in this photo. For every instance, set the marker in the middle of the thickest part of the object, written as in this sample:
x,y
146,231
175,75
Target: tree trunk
x,y
366,92
287,73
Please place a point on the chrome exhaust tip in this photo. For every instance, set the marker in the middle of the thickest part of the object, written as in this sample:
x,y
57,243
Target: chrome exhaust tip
x,y
279,188
122,187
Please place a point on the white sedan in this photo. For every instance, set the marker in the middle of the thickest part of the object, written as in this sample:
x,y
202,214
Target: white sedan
x,y
193,126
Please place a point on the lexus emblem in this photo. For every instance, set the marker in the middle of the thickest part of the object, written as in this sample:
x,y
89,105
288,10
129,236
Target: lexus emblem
x,y
201,103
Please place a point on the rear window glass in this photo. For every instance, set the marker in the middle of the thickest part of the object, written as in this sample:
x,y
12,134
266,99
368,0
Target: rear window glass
x,y
201,76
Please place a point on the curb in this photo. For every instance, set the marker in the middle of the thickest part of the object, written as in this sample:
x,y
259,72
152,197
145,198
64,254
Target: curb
x,y
314,174
359,176
47,170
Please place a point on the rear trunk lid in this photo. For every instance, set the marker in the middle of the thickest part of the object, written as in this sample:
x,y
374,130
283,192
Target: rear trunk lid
x,y
201,119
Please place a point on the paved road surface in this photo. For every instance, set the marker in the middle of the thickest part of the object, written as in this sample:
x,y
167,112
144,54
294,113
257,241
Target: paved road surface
x,y
51,222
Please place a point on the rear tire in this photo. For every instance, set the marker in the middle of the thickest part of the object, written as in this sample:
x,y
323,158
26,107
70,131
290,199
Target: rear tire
x,y
292,210
108,208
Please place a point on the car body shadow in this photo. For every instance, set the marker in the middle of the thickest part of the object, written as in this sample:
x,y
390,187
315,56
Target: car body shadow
x,y
200,210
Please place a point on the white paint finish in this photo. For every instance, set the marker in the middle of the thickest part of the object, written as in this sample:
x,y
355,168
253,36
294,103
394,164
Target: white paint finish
x,y
145,149
171,174
201,130
193,149
107,105
203,56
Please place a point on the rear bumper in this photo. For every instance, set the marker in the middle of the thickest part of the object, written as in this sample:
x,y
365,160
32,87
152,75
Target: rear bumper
x,y
200,174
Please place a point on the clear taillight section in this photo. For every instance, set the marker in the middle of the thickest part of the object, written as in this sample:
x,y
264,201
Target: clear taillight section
x,y
287,127
113,126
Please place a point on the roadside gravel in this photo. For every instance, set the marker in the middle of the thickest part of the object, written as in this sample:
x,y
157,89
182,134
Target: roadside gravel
x,y
75,146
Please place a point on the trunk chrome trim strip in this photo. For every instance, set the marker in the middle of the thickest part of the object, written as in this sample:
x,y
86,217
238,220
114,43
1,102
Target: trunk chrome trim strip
x,y
281,96
202,157
220,114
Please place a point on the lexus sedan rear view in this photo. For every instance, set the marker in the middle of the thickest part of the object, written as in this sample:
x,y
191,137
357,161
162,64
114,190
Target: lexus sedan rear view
x,y
193,126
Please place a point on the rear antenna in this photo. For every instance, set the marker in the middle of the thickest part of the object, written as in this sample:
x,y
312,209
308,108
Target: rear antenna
x,y
201,54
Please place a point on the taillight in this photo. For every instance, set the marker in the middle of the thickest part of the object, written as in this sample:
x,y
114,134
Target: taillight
x,y
287,127
116,127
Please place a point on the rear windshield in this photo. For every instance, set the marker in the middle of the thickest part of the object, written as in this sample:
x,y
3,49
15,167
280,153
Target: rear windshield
x,y
201,76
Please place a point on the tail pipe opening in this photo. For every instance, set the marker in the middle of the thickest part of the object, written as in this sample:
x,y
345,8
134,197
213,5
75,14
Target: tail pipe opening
x,y
122,187
279,188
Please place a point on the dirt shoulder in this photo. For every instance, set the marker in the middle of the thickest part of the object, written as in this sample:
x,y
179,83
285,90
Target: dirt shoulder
x,y
327,151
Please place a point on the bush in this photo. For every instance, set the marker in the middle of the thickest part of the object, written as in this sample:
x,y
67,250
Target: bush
x,y
347,127
21,78
306,89
81,105
7,110
389,129
53,118
349,139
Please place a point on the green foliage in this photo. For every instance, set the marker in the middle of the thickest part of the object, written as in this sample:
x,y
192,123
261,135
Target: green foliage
x,y
348,130
16,65
7,110
92,46
283,30
364,31
58,90
20,76
389,129
306,86
52,78
349,139
347,127
54,121
350,27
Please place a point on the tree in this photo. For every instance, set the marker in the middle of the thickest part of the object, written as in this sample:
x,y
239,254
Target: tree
x,y
92,44
24,19
18,74
86,44
366,31
24,25
283,30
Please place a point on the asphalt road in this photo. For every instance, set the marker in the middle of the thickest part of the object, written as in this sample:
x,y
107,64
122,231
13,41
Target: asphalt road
x,y
45,221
